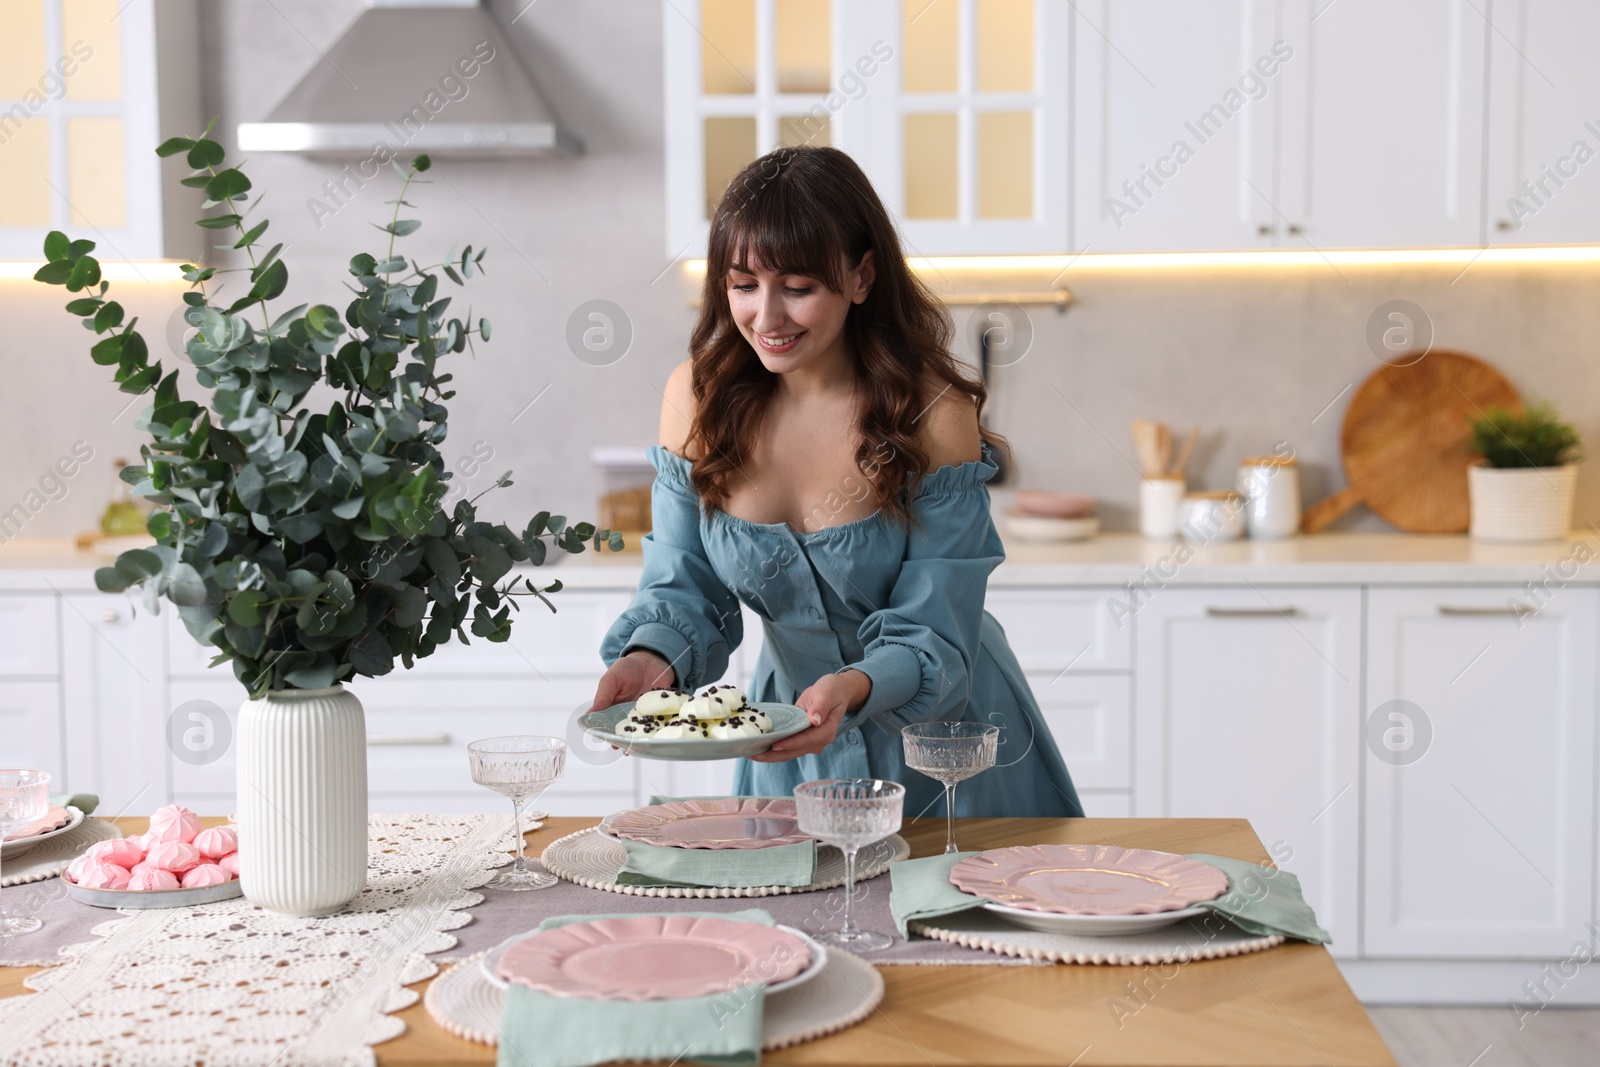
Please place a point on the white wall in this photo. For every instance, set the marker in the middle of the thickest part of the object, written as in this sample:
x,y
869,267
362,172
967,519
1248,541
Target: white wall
x,y
1253,356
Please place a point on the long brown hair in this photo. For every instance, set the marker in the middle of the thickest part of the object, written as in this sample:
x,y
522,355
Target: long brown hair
x,y
811,211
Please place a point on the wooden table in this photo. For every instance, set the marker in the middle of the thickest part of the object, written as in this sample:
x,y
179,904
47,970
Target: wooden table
x,y
1284,1007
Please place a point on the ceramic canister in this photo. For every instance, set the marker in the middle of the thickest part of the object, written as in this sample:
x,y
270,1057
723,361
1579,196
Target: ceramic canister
x,y
1217,515
1270,486
1160,497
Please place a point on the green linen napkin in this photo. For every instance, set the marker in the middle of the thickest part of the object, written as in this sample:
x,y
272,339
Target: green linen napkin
x,y
84,802
540,1030
1259,900
1264,900
741,868
921,889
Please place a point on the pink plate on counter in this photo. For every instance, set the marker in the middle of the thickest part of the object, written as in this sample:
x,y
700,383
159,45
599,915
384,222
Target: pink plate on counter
x,y
54,818
653,957
724,822
1088,879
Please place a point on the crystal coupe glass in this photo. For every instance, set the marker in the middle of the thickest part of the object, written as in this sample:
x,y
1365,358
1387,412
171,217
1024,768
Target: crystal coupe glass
x,y
850,813
950,752
24,797
521,767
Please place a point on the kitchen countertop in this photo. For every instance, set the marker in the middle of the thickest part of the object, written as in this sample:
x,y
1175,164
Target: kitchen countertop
x,y
1285,1006
39,564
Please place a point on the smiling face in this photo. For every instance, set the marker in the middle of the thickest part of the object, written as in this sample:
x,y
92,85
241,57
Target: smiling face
x,y
792,320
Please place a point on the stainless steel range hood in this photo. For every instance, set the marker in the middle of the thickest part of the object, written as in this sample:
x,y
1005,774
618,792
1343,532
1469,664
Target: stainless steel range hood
x,y
409,76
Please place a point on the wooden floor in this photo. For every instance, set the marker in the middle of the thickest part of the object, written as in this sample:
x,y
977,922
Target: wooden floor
x,y
1489,1037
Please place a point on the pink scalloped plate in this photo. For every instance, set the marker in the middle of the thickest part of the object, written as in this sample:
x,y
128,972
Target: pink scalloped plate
x,y
653,957
726,822
54,818
1088,879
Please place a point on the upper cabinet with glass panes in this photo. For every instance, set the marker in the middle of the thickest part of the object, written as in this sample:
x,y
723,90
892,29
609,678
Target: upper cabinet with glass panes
x,y
956,109
88,88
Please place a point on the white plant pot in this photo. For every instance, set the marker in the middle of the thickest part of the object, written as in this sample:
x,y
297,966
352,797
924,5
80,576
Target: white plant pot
x,y
302,805
1521,503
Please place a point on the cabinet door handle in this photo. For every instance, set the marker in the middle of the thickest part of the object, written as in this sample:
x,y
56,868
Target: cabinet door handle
x,y
1264,230
408,739
1295,230
1453,609
1250,613
109,615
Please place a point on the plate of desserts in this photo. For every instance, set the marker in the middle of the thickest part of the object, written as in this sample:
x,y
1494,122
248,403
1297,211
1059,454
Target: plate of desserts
x,y
670,724
173,865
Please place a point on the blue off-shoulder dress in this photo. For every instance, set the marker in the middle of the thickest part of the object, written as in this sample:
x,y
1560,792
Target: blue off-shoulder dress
x,y
903,607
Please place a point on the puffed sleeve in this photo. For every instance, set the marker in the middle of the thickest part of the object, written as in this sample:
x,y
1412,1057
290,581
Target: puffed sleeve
x,y
919,649
681,610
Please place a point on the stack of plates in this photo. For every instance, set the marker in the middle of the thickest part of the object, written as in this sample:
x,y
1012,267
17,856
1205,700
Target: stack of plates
x,y
1089,889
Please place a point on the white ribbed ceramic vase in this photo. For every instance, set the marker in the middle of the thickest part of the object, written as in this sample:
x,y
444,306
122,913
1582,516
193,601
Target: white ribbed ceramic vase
x,y
1521,503
302,800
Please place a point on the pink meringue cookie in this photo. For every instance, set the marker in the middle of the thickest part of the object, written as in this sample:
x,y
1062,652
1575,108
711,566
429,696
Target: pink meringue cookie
x,y
230,863
206,874
217,841
78,867
99,875
121,851
174,856
172,823
149,879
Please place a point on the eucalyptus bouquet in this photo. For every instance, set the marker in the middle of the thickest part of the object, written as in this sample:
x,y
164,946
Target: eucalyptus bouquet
x,y
305,537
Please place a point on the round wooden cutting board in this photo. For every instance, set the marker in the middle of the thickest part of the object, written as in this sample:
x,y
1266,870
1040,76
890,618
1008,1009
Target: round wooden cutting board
x,y
1407,442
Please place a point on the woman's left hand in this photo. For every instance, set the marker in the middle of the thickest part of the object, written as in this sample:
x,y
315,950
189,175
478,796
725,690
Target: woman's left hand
x,y
825,704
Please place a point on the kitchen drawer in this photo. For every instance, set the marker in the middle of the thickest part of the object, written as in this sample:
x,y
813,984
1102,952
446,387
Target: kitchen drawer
x,y
418,730
1089,719
30,640
1054,628
566,643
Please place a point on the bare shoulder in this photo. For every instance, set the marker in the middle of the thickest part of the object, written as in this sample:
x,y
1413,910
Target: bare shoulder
x,y
677,409
948,430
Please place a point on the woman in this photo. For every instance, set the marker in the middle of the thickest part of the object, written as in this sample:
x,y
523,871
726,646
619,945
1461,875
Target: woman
x,y
821,460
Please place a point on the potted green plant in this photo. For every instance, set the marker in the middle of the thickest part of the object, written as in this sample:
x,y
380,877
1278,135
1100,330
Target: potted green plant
x,y
299,523
1522,488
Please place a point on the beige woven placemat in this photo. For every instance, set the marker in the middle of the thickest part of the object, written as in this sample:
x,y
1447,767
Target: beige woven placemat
x,y
1211,937
592,858
844,992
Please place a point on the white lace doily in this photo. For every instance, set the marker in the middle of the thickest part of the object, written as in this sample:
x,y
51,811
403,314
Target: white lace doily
x,y
232,983
49,858
593,858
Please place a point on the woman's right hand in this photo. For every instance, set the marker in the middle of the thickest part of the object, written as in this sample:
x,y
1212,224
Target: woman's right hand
x,y
631,676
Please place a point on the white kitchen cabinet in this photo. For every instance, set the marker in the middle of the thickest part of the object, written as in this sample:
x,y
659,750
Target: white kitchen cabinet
x,y
1089,720
31,649
1247,705
88,89
1382,132
31,733
1060,628
1480,817
1544,123
1171,152
114,702
957,110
